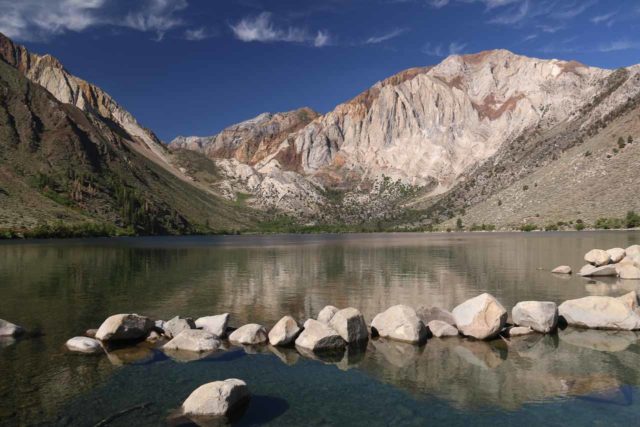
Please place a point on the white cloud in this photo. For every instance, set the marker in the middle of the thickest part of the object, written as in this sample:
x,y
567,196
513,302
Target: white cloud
x,y
384,37
618,45
454,48
606,18
261,28
197,34
39,19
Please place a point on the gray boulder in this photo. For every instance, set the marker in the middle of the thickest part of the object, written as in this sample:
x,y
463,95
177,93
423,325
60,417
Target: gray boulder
x,y
216,325
249,334
616,254
604,271
350,324
541,316
123,327
427,314
195,340
482,317
562,269
327,313
597,257
442,329
218,398
400,323
84,345
600,312
284,332
319,337
173,327
8,329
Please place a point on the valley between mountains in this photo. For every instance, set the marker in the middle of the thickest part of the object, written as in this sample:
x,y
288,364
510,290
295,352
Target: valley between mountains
x,y
491,140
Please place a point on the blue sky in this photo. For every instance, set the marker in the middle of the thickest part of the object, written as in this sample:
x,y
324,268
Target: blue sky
x,y
192,67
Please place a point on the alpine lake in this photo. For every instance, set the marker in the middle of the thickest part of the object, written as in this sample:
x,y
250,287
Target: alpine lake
x,y
57,289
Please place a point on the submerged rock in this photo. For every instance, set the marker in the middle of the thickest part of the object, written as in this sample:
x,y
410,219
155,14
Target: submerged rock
x,y
284,332
604,271
616,254
84,345
350,324
8,329
517,331
124,327
482,317
541,316
172,328
249,334
563,269
319,337
427,314
216,325
401,323
600,312
597,257
195,340
327,313
219,398
441,329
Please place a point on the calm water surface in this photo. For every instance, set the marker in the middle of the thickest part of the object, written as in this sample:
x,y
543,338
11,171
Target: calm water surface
x,y
58,289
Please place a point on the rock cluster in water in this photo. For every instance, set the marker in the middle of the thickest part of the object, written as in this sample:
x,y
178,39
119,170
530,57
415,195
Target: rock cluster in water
x,y
623,263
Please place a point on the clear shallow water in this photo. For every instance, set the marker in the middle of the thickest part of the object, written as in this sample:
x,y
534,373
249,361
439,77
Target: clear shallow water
x,y
61,288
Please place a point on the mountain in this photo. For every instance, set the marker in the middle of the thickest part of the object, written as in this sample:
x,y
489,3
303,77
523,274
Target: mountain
x,y
430,143
70,155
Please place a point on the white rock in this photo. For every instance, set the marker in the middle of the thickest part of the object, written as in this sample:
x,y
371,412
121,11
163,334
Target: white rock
x,y
319,337
586,270
216,325
284,332
350,324
597,257
616,254
600,312
218,398
400,323
628,271
630,299
84,345
563,269
195,340
481,317
427,314
173,327
120,327
519,331
327,313
541,316
633,250
249,334
604,271
8,329
441,329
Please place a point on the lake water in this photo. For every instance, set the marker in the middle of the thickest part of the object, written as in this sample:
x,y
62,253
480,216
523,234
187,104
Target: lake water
x,y
58,289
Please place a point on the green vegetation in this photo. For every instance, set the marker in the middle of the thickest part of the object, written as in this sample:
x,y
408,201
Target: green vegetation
x,y
528,227
587,153
632,220
459,225
483,227
551,227
61,230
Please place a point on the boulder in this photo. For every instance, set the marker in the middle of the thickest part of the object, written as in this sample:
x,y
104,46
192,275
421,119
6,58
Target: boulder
x,y
153,336
616,254
517,331
319,337
8,329
632,260
482,317
586,270
327,313
284,332
427,314
600,312
605,270
350,324
630,299
597,257
173,327
159,325
628,271
216,325
400,323
84,345
441,329
633,250
563,269
541,316
123,327
249,334
195,340
219,398
91,333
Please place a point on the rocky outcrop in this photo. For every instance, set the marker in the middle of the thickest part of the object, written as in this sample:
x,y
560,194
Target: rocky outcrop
x,y
194,340
350,324
216,325
482,317
319,337
284,332
400,323
219,398
124,327
541,316
249,334
84,345
600,312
